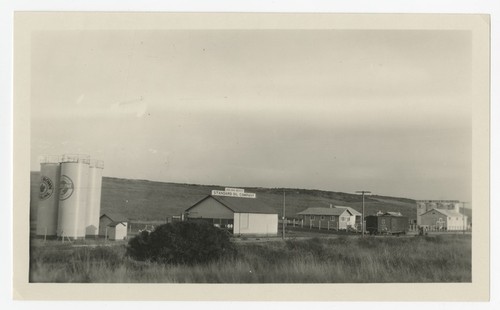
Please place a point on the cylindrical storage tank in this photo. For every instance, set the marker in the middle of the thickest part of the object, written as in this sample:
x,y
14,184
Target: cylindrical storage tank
x,y
48,203
94,198
73,195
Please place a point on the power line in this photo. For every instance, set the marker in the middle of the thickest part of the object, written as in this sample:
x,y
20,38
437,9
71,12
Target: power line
x,y
283,214
464,221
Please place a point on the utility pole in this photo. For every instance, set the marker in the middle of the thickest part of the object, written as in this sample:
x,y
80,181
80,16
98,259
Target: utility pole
x,y
283,218
463,217
363,214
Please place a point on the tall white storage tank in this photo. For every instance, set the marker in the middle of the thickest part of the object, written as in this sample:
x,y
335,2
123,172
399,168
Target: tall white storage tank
x,y
48,203
94,198
73,195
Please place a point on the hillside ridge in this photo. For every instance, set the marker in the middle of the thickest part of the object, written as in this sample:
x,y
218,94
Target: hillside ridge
x,y
153,200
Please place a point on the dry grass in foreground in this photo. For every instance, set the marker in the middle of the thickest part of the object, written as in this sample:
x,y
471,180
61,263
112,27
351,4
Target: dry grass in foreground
x,y
347,259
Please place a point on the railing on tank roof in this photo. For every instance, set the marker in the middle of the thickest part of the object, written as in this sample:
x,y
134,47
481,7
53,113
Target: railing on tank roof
x,y
49,159
95,163
75,158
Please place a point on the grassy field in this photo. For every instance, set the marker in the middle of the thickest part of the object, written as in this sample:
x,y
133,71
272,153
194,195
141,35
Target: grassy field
x,y
341,259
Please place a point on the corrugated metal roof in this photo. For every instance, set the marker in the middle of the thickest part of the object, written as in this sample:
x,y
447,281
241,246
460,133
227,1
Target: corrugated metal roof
x,y
446,212
240,205
324,211
114,217
353,212
393,213
113,224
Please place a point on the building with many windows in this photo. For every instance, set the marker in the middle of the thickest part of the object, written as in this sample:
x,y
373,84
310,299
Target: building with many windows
x,y
335,217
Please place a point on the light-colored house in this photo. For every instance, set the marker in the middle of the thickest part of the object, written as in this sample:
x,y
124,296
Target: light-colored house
x,y
241,216
113,226
337,217
355,219
443,220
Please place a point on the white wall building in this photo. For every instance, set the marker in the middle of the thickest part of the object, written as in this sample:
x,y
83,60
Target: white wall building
x,y
443,220
241,216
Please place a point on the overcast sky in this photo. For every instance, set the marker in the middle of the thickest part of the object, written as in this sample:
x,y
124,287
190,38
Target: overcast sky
x,y
342,110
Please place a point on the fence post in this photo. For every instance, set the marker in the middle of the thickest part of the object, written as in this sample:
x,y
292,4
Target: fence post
x,y
302,223
319,224
327,225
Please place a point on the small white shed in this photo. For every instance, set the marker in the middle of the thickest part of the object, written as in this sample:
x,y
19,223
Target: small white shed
x,y
113,226
117,231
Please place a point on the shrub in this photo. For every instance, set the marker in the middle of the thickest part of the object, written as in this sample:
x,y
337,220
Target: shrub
x,y
139,246
182,243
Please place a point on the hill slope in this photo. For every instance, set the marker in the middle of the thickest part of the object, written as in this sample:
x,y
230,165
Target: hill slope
x,y
147,200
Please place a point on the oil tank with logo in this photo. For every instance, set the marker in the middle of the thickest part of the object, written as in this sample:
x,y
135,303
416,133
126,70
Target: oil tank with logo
x,y
48,198
94,198
73,196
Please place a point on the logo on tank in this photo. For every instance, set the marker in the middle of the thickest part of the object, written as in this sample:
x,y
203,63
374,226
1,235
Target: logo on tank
x,y
66,187
46,188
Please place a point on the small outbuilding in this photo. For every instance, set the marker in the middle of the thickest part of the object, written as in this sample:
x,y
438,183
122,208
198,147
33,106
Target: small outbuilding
x,y
241,216
439,219
337,217
113,226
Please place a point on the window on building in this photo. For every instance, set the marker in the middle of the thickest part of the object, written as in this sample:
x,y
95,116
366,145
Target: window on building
x,y
332,218
322,217
311,217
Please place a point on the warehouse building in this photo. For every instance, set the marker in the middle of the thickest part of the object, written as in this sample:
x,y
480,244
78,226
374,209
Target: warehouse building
x,y
241,216
424,206
439,219
335,217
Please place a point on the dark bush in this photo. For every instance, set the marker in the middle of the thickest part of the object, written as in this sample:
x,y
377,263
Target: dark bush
x,y
182,243
139,247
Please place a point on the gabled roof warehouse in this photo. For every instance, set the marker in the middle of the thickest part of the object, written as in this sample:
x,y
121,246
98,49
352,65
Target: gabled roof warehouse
x,y
239,215
239,205
448,213
443,219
